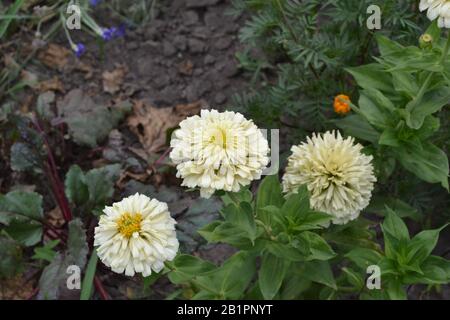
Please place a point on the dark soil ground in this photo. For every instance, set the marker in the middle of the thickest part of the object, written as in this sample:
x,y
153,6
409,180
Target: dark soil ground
x,y
184,55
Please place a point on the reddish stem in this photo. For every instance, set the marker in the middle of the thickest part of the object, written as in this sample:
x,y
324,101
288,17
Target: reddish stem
x,y
100,289
58,187
163,156
32,294
63,203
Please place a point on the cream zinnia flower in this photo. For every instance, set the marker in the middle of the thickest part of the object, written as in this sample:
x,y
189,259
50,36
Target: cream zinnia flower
x,y
218,151
136,235
437,9
338,176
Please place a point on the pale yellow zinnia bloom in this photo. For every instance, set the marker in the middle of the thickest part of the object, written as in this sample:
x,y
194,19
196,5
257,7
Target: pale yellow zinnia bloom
x,y
218,151
439,9
136,235
338,176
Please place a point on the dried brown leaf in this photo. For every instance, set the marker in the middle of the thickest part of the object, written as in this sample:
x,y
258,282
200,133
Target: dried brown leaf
x,y
112,81
55,56
151,124
53,84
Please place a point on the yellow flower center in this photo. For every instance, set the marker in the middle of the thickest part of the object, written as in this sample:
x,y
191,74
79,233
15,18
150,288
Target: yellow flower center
x,y
219,137
128,224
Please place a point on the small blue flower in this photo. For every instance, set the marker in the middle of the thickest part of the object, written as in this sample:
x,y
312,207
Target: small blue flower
x,y
120,31
94,2
79,49
107,34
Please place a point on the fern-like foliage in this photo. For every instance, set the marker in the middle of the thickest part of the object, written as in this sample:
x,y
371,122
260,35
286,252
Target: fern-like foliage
x,y
302,49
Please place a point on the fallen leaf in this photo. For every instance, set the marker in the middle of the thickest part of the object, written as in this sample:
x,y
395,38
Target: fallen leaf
x,y
86,68
151,124
55,56
112,81
127,175
186,67
53,84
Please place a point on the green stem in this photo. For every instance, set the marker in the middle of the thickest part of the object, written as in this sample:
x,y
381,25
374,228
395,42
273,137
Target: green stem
x,y
446,48
430,75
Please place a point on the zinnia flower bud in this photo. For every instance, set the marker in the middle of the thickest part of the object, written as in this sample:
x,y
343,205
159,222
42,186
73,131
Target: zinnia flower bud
x,y
425,41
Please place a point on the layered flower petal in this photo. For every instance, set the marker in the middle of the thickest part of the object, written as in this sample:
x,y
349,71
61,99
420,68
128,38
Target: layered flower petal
x,y
136,235
338,176
218,151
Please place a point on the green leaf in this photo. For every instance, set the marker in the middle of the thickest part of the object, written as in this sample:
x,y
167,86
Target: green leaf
x,y
433,30
186,267
75,185
53,281
53,278
374,114
354,278
318,247
244,195
269,194
356,126
422,244
425,160
395,226
46,252
364,257
320,272
242,218
387,46
23,158
225,232
313,220
297,204
271,275
436,270
100,183
405,83
389,138
297,251
27,232
430,103
22,204
395,290
10,257
378,206
395,234
372,76
77,247
231,279
89,123
88,280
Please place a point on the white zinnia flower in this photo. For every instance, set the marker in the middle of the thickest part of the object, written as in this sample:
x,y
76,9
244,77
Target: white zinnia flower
x,y
218,151
136,235
338,176
437,9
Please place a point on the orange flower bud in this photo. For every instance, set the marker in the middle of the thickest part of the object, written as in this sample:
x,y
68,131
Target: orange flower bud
x,y
340,104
